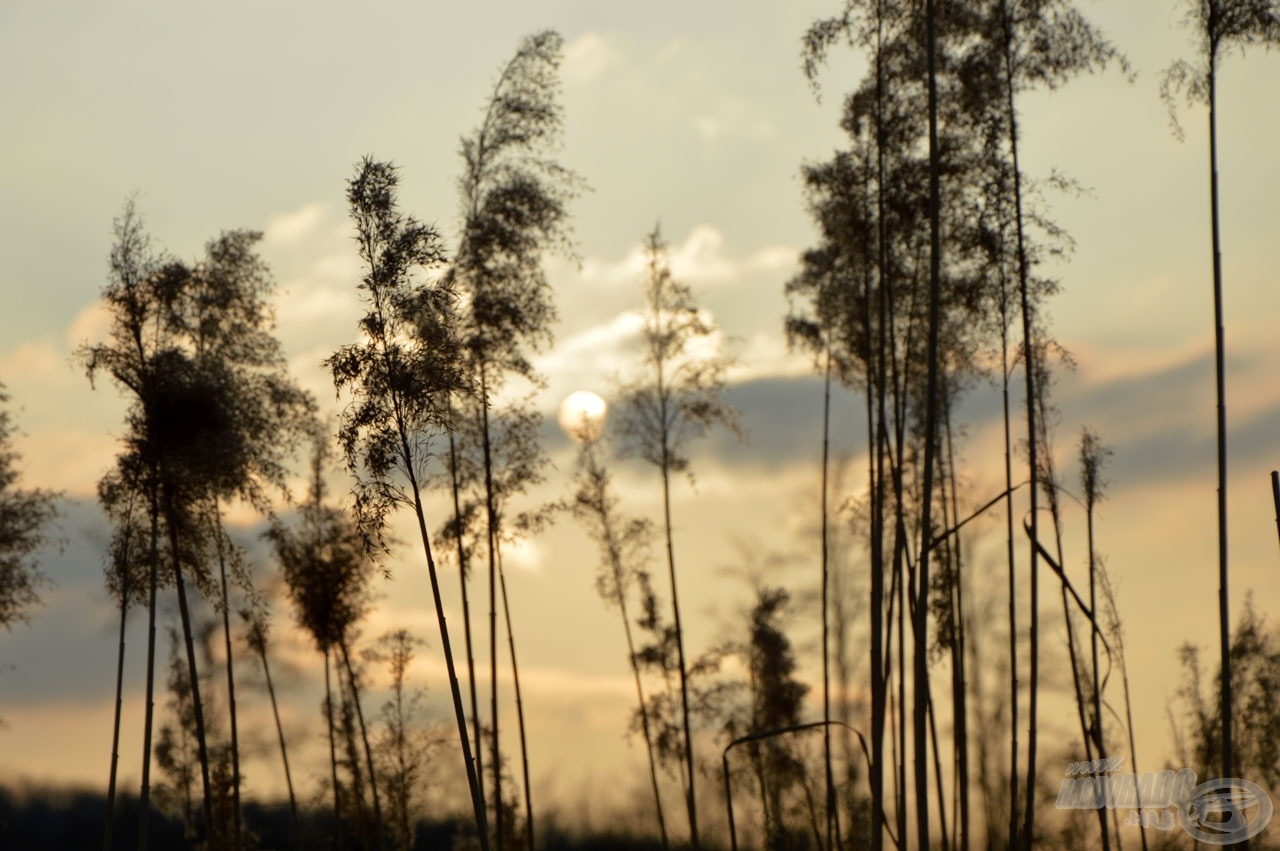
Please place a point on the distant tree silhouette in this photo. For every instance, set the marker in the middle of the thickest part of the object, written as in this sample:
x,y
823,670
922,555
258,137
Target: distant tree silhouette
x,y
515,198
258,639
406,741
333,755
125,572
934,112
326,572
401,376
1219,26
177,752
183,388
623,544
25,514
1034,43
813,334
227,550
847,598
1198,726
920,681
357,811
832,812
353,687
517,462
139,332
995,228
213,415
174,750
836,327
179,406
878,304
1047,418
675,398
25,517
231,323
777,698
222,310
1093,455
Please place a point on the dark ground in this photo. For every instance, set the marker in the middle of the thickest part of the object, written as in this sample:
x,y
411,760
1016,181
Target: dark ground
x,y
68,820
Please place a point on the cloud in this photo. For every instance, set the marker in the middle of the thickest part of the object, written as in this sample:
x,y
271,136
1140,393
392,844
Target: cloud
x,y
588,56
782,417
606,344
598,356
33,362
91,326
58,451
765,354
1155,410
613,273
317,302
733,117
1143,412
700,259
67,459
591,358
294,227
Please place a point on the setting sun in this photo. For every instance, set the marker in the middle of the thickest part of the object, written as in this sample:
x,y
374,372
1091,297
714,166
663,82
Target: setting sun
x,y
582,416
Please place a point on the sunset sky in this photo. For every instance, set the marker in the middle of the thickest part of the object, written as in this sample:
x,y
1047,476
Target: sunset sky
x,y
694,115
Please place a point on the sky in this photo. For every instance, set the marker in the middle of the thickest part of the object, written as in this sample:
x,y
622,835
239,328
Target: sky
x,y
694,116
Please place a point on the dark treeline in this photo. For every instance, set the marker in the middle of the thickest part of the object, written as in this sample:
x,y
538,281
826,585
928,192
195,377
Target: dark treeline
x,y
929,279
44,818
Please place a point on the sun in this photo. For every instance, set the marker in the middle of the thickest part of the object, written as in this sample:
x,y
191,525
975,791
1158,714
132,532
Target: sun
x,y
582,415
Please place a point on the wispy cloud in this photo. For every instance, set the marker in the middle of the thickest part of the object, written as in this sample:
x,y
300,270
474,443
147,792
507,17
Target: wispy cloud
x,y
588,56
294,227
734,117
700,258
